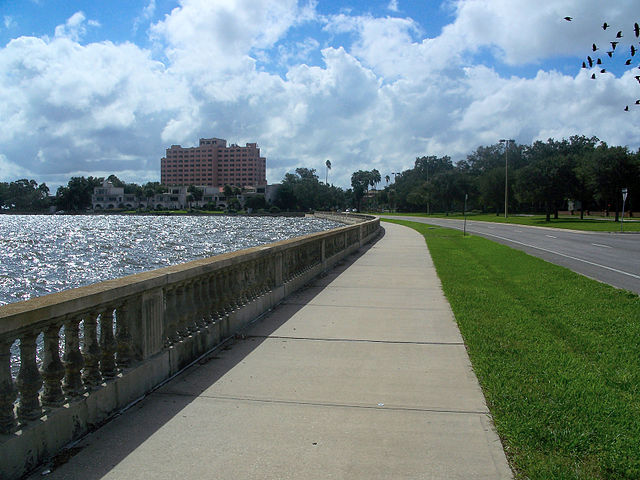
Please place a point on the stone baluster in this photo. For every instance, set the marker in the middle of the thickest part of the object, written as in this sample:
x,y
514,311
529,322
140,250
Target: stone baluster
x,y
29,380
237,287
260,277
207,301
8,391
253,281
196,304
200,297
214,297
171,316
219,294
225,291
182,304
270,267
107,344
91,352
243,284
52,368
72,359
124,348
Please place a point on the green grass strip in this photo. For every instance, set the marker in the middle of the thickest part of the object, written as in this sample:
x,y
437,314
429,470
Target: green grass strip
x,y
566,222
557,355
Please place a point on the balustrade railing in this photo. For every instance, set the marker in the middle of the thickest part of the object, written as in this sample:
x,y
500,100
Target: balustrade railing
x,y
93,335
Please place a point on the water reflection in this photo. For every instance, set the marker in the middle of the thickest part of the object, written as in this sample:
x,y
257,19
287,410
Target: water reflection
x,y
41,254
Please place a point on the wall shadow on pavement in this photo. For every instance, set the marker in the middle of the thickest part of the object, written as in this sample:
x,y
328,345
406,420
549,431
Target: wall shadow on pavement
x,y
96,454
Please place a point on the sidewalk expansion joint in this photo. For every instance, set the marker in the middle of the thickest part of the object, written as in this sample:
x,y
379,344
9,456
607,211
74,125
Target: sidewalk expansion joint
x,y
353,340
327,404
366,307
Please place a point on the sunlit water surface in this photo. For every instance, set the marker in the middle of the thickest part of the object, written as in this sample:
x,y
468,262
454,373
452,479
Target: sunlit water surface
x,y
41,254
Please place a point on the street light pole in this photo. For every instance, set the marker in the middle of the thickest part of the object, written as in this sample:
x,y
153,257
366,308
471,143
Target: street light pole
x,y
506,174
624,199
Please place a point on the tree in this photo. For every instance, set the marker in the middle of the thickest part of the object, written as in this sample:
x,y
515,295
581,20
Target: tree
x,y
255,202
613,168
194,194
360,182
115,181
24,195
76,196
538,182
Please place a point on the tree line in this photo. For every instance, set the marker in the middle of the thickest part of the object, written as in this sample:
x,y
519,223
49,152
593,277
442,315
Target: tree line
x,y
27,196
581,172
542,177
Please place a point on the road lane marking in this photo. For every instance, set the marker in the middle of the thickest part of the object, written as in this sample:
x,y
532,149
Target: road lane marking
x,y
550,236
566,256
600,245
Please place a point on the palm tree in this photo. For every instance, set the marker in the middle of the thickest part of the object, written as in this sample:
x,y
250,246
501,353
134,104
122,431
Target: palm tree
x,y
387,178
328,164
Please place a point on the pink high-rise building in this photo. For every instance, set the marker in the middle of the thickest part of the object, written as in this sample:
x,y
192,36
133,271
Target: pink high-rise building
x,y
214,164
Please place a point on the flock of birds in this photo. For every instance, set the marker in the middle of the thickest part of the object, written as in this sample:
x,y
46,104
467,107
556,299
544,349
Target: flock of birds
x,y
596,60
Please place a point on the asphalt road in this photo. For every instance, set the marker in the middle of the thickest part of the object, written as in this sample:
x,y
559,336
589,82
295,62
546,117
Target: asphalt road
x,y
612,258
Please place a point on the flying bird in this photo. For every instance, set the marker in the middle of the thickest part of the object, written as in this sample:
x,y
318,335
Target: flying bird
x,y
636,29
568,19
605,25
619,34
594,47
599,62
610,54
626,109
628,62
604,70
633,50
637,77
590,60
584,65
593,76
637,102
614,44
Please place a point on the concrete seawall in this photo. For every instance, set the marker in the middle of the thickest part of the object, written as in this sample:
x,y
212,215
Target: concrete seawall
x,y
125,337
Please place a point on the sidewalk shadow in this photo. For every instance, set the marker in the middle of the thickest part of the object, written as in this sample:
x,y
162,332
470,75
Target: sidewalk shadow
x,y
99,452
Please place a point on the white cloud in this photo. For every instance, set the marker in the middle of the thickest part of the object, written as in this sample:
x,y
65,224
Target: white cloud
x,y
74,29
9,22
389,95
146,15
525,32
10,171
393,6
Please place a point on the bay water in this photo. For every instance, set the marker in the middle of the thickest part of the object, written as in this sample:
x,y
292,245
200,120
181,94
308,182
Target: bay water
x,y
41,254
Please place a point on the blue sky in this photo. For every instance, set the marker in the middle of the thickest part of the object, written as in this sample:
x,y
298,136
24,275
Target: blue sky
x,y
101,87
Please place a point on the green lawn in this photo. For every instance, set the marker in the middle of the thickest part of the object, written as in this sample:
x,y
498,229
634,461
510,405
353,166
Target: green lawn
x,y
569,222
557,355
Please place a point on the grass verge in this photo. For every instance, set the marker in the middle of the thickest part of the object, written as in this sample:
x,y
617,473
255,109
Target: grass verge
x,y
566,222
557,355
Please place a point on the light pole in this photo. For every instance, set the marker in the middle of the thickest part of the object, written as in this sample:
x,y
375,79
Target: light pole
x,y
464,212
624,199
506,172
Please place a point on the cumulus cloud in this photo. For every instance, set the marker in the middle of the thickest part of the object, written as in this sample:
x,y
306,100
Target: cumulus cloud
x,y
378,97
145,16
75,28
9,22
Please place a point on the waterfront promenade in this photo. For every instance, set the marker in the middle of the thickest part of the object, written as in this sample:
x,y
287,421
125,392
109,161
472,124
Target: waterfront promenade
x,y
361,375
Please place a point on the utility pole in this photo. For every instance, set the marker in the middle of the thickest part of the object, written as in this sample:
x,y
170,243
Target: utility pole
x,y
506,174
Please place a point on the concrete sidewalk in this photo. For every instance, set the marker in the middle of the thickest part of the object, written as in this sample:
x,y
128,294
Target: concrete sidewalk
x,y
363,375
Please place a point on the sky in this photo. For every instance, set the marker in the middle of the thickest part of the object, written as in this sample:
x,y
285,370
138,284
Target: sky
x,y
103,87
